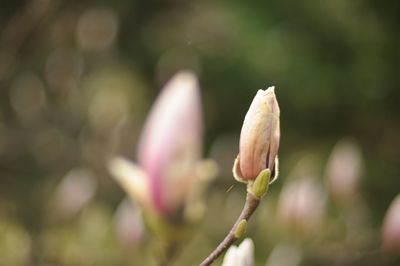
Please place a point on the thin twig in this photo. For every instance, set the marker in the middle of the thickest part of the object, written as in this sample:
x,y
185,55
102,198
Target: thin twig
x,y
249,207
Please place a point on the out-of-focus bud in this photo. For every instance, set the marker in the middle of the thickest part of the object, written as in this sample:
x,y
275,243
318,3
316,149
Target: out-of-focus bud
x,y
284,255
132,178
75,191
391,227
128,224
170,171
171,141
301,205
344,170
243,255
259,138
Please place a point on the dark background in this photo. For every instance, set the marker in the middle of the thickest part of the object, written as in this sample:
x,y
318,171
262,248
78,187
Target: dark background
x,y
78,77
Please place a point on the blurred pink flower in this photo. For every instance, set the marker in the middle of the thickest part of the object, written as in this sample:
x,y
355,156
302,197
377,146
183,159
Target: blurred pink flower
x,y
75,190
170,169
128,224
171,141
344,170
259,138
301,204
391,227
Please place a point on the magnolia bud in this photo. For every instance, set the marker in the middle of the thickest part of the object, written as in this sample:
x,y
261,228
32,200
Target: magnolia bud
x,y
391,227
243,255
171,141
260,186
259,138
301,205
76,189
170,173
344,170
128,224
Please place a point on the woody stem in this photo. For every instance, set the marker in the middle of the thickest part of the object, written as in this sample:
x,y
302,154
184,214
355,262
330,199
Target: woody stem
x,y
250,206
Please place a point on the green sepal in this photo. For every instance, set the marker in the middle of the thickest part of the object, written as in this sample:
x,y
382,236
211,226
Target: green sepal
x,y
260,185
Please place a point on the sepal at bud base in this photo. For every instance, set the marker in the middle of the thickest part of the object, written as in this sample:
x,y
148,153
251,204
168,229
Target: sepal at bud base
x,y
259,186
239,178
132,178
236,171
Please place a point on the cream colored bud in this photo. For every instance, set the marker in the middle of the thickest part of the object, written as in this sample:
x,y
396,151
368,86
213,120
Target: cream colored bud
x,y
243,255
391,227
170,175
259,138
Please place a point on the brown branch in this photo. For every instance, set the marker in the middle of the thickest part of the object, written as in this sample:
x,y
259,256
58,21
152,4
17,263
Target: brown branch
x,y
249,207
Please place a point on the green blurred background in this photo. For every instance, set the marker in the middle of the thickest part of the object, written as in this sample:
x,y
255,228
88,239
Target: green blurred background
x,y
78,77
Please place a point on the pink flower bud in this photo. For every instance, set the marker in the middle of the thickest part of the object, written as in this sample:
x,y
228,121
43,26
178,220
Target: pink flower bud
x,y
344,170
128,224
171,175
75,190
259,138
301,205
170,145
391,227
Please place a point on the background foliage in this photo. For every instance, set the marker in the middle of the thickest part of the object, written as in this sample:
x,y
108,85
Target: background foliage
x,y
77,78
